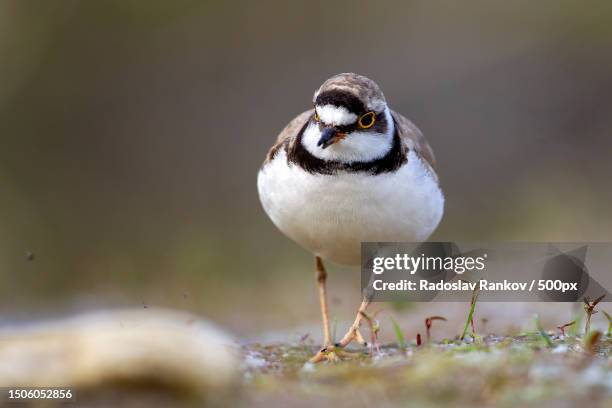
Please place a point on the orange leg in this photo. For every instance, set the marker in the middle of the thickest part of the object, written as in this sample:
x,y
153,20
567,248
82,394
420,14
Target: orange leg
x,y
321,277
331,352
354,333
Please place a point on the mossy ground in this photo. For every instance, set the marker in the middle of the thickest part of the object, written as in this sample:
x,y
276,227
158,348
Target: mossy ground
x,y
490,370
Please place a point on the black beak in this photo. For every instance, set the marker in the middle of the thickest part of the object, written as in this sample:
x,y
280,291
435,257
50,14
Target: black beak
x,y
327,137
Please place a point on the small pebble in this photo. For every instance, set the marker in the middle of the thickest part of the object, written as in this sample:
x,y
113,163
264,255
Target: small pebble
x,y
561,348
253,361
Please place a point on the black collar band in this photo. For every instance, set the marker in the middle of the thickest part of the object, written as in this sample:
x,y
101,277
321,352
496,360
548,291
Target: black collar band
x,y
297,154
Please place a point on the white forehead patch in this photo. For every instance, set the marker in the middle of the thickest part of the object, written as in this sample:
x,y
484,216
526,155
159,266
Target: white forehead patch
x,y
335,115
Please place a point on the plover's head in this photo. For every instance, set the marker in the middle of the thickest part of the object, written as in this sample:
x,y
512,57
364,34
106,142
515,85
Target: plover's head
x,y
351,121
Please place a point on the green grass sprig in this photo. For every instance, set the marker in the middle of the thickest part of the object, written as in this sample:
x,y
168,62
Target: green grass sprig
x,y
541,330
470,318
401,341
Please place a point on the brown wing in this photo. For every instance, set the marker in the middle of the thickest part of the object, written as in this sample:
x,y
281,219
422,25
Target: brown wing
x,y
288,134
413,138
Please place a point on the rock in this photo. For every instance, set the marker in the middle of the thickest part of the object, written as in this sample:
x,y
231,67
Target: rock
x,y
155,347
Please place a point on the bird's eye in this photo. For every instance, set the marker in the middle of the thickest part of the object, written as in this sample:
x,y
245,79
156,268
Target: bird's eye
x,y
316,116
367,120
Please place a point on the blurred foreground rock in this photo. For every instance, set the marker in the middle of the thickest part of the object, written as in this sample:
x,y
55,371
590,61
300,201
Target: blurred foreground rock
x,y
142,348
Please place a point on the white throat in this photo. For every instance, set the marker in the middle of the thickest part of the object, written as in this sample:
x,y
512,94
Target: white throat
x,y
358,146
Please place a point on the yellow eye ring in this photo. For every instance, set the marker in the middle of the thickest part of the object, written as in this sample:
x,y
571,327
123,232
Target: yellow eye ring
x,y
367,120
316,116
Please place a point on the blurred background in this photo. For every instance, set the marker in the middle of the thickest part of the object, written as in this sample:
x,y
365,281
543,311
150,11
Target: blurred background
x,y
132,133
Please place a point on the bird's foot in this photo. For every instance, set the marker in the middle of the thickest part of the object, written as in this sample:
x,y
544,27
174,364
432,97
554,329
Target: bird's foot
x,y
336,352
333,354
327,353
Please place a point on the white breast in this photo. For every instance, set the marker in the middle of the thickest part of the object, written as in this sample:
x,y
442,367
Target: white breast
x,y
330,215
